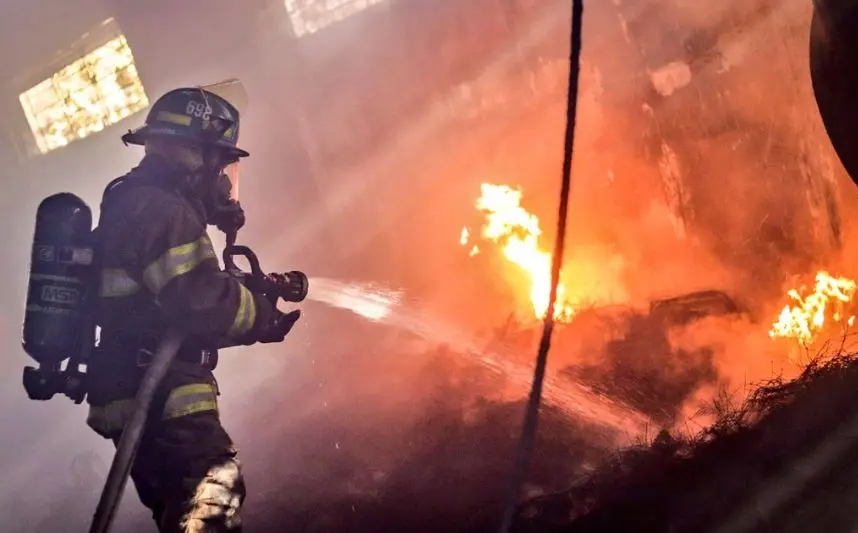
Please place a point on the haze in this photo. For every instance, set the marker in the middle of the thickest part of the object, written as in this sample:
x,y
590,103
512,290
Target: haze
x,y
700,163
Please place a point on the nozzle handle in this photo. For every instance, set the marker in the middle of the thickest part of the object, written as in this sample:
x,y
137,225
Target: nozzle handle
x,y
231,251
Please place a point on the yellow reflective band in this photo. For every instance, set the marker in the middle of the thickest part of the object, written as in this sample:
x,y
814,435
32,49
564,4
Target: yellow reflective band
x,y
177,261
245,316
175,118
190,399
116,283
109,420
191,408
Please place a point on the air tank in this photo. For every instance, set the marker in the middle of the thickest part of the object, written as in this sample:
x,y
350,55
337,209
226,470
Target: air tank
x,y
57,322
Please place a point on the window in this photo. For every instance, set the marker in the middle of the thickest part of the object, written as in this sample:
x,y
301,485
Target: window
x,y
92,93
310,16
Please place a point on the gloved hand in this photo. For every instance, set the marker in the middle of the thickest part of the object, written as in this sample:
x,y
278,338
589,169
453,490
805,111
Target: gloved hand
x,y
221,209
279,327
227,216
271,325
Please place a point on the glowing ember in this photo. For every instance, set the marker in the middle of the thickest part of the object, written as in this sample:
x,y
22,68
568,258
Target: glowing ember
x,y
517,232
809,314
463,240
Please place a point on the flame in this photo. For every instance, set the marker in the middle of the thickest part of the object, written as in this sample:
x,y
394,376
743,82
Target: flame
x,y
517,232
809,314
463,240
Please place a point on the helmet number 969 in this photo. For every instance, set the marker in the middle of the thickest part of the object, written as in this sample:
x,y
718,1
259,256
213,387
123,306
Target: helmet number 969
x,y
199,110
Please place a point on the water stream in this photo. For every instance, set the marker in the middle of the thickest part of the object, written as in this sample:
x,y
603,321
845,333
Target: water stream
x,y
385,306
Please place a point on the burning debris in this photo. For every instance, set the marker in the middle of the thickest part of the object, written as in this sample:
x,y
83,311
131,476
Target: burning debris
x,y
811,313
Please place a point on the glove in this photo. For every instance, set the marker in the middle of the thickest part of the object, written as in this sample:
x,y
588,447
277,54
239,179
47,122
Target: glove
x,y
228,217
271,325
279,327
222,211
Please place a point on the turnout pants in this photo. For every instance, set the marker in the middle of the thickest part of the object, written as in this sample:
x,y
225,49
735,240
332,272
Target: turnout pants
x,y
186,470
187,473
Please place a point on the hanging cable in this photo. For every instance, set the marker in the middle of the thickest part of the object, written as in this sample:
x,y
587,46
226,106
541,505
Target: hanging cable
x,y
528,432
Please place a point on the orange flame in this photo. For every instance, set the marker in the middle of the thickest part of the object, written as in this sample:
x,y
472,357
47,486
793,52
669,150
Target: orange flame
x,y
517,232
807,317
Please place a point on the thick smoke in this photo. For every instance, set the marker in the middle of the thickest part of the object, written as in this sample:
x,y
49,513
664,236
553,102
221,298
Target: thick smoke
x,y
700,164
702,181
713,148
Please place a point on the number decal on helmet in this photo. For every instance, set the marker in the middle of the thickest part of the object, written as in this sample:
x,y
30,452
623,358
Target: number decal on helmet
x,y
199,110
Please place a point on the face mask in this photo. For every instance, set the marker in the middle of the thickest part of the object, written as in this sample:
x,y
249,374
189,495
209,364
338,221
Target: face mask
x,y
223,209
211,178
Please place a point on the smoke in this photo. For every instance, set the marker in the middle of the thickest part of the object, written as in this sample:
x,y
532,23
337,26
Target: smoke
x,y
694,170
649,198
426,441
717,179
700,164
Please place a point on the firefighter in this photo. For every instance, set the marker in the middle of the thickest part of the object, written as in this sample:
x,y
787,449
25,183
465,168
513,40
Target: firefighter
x,y
159,269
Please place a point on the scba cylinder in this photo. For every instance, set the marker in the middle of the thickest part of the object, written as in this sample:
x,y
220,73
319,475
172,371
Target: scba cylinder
x,y
57,319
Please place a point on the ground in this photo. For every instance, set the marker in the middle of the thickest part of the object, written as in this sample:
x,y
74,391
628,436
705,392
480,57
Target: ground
x,y
781,462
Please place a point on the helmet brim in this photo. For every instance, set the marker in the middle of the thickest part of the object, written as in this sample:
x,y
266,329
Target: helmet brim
x,y
135,137
138,137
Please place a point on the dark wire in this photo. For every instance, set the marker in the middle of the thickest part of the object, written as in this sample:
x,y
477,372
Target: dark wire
x,y
528,432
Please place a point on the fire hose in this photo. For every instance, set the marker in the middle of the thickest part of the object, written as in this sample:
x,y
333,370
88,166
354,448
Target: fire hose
x,y
524,450
129,442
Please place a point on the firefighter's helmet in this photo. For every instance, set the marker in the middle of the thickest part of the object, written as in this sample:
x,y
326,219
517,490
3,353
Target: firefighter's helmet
x,y
193,114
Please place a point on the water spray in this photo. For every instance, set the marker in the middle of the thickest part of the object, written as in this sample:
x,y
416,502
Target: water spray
x,y
385,306
364,299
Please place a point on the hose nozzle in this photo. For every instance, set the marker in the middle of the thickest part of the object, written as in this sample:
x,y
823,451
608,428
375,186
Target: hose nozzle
x,y
291,286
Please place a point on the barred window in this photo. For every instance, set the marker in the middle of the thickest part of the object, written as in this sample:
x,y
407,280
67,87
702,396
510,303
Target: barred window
x,y
310,16
86,96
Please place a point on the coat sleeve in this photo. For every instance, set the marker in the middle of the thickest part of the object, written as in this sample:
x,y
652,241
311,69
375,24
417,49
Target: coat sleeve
x,y
176,262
